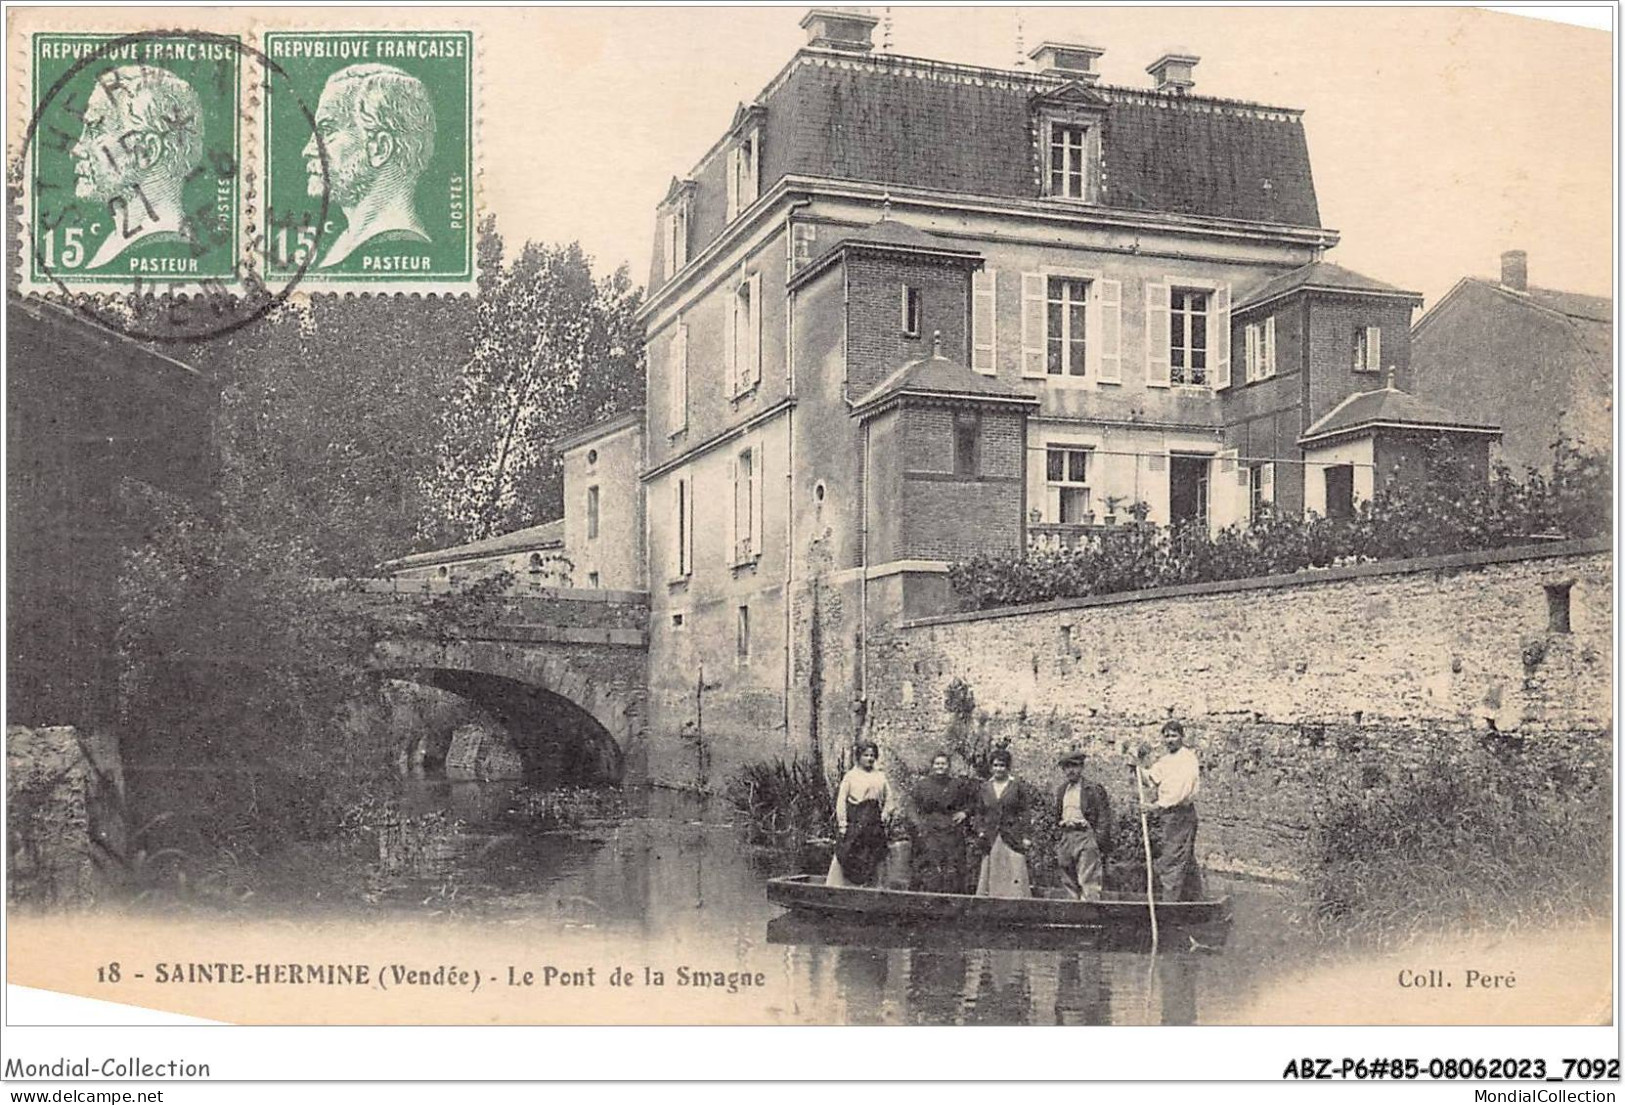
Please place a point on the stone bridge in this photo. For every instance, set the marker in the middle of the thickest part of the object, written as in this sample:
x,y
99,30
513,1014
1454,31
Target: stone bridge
x,y
564,670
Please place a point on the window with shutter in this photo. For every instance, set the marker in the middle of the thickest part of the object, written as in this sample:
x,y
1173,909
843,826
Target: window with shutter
x,y
1367,348
744,505
1189,337
677,373
802,237
911,311
682,528
1266,358
985,322
1066,471
1066,327
754,349
1219,335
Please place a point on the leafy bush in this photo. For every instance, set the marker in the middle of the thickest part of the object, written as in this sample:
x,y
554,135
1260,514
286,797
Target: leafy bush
x,y
783,802
1401,520
1506,834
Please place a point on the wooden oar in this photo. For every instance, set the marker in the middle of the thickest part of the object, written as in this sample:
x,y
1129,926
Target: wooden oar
x,y
1145,835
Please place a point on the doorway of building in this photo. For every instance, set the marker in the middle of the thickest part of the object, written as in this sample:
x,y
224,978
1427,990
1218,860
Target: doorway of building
x,y
1340,491
1188,489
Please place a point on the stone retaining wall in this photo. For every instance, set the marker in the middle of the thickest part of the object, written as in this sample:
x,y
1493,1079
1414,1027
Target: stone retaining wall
x,y
1291,686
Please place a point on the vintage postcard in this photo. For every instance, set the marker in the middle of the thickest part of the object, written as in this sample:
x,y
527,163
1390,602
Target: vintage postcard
x,y
810,517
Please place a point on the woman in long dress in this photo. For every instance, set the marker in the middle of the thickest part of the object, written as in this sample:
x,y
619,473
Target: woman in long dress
x,y
861,806
941,807
1004,821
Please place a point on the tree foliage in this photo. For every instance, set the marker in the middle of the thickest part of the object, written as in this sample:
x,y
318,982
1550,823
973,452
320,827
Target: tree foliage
x,y
557,349
348,430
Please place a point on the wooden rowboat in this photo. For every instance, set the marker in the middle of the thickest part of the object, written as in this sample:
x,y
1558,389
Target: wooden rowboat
x,y
1048,909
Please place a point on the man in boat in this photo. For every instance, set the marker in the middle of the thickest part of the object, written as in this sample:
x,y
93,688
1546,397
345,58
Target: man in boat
x,y
1084,815
1173,782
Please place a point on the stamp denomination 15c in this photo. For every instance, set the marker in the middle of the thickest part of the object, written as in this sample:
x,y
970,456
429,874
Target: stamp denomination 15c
x,y
394,112
134,162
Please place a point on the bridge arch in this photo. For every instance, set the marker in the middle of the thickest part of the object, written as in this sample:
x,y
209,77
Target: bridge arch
x,y
592,700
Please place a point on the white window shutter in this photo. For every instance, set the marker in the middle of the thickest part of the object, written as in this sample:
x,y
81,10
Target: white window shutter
x,y
1250,350
1156,335
1227,499
758,480
677,370
1376,349
1110,331
1219,335
1267,365
730,343
677,535
1032,324
985,322
733,510
753,178
754,351
733,183
1266,479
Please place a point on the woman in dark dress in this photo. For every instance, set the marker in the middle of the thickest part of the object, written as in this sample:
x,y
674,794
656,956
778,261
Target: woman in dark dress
x,y
940,809
1004,829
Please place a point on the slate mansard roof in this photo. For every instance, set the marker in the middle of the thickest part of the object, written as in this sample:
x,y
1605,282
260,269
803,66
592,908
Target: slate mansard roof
x,y
913,122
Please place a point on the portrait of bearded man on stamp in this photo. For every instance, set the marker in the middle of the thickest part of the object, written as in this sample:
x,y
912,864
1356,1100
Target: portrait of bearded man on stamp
x,y
142,136
134,161
369,159
378,124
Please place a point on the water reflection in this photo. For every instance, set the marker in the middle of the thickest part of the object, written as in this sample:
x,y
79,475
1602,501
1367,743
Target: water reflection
x,y
670,883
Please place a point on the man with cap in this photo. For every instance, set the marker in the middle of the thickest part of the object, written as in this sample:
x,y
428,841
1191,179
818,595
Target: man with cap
x,y
1173,781
1084,815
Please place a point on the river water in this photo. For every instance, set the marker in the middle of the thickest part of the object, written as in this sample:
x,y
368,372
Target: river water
x,y
672,884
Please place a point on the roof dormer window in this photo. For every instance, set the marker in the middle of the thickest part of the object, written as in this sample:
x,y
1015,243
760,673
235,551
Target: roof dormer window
x,y
745,159
1068,123
674,227
1067,175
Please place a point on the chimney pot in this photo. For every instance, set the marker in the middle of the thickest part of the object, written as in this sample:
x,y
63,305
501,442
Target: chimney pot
x,y
1515,270
1172,72
1072,60
850,32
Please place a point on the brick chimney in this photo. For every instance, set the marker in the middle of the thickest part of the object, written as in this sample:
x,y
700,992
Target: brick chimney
x,y
1172,72
1515,270
1071,60
837,29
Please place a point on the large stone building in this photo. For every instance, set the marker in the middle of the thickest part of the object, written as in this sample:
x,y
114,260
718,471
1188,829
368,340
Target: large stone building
x,y
904,311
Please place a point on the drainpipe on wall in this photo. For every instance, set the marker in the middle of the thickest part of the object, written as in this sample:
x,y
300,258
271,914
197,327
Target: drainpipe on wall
x,y
790,467
863,580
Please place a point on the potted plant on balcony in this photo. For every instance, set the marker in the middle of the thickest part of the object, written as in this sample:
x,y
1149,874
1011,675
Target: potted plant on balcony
x,y
1139,510
1113,503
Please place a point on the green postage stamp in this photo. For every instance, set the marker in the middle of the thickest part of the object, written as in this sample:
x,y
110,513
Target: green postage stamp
x,y
133,162
368,159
